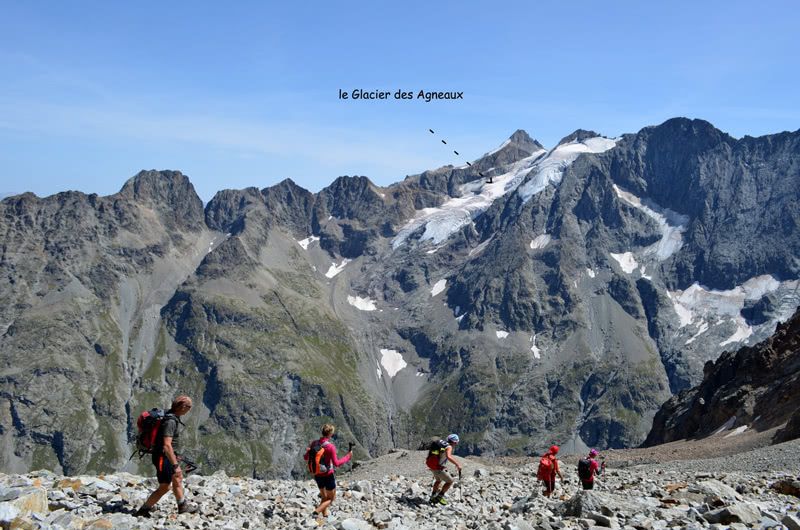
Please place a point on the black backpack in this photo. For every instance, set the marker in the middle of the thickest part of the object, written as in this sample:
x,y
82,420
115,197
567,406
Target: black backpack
x,y
585,469
435,449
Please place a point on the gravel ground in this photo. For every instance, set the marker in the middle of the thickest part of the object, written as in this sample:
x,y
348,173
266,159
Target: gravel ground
x,y
747,452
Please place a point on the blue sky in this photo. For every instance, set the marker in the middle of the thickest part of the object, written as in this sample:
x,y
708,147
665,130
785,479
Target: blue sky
x,y
246,93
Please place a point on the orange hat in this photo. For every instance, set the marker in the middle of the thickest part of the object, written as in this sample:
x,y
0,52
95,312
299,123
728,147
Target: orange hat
x,y
554,449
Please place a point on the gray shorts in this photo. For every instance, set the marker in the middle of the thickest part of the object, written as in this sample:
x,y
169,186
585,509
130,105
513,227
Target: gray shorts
x,y
442,475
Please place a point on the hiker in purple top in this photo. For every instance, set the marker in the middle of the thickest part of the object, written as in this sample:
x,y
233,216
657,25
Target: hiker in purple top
x,y
323,468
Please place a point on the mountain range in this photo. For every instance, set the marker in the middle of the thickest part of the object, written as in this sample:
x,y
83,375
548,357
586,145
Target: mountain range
x,y
560,298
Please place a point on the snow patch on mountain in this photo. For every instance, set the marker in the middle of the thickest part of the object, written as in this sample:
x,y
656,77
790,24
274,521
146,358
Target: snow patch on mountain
x,y
438,287
307,241
392,361
743,331
541,241
364,304
474,198
534,349
703,329
700,304
626,261
671,224
501,334
551,167
336,269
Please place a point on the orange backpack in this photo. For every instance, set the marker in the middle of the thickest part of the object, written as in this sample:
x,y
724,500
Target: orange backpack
x,y
316,460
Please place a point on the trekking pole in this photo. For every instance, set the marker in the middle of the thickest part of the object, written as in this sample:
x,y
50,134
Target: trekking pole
x,y
460,493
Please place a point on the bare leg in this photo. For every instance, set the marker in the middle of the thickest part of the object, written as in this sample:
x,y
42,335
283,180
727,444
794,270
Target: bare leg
x,y
327,498
156,495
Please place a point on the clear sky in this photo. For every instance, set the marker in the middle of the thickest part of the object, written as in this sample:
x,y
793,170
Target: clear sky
x,y
238,94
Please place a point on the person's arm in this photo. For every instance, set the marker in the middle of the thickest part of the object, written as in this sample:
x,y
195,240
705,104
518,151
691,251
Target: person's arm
x,y
558,470
337,462
595,468
449,454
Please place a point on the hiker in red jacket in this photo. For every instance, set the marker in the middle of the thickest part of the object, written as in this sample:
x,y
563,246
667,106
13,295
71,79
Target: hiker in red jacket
x,y
548,469
326,481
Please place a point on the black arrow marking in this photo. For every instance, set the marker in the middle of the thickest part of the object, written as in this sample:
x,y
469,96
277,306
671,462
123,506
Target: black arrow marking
x,y
470,165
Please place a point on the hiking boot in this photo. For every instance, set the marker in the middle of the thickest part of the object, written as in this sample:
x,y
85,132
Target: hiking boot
x,y
441,500
434,498
187,507
142,512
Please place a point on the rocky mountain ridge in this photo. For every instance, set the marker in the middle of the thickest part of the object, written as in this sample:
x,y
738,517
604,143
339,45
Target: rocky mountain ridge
x,y
757,387
563,301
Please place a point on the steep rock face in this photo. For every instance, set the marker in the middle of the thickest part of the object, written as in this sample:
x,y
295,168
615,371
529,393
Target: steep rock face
x,y
757,387
724,186
82,279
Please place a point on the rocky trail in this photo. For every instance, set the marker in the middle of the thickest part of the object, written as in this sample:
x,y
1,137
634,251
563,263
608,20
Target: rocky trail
x,y
758,488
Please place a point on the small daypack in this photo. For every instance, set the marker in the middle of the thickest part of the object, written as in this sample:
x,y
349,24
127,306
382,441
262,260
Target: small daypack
x,y
546,468
435,450
585,469
149,423
316,461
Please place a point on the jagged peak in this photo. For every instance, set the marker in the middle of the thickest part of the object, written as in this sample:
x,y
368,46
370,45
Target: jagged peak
x,y
578,136
523,140
286,184
348,182
158,186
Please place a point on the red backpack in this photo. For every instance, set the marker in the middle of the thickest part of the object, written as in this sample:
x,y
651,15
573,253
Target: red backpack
x,y
546,467
149,423
316,461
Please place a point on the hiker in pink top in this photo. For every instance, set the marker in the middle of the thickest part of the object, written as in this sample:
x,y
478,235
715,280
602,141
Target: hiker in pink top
x,y
325,480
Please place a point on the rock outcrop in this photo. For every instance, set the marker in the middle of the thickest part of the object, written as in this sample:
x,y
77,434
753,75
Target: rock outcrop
x,y
756,387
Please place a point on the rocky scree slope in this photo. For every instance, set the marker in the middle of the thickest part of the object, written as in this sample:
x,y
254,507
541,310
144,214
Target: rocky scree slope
x,y
757,387
488,497
562,301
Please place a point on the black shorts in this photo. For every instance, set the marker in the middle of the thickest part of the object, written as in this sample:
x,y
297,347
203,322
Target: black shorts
x,y
327,482
587,484
164,469
549,485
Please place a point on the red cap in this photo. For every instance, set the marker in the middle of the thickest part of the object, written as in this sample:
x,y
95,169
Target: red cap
x,y
554,449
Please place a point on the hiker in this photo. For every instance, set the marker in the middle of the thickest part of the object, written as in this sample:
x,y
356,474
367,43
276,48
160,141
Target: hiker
x,y
587,468
323,476
548,469
440,452
166,460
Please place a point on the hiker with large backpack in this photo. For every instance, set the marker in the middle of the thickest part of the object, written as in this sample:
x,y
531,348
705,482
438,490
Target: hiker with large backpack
x,y
439,453
321,462
548,469
587,468
162,441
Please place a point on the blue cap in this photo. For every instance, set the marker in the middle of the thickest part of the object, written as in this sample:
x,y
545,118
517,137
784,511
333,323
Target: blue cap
x,y
453,438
